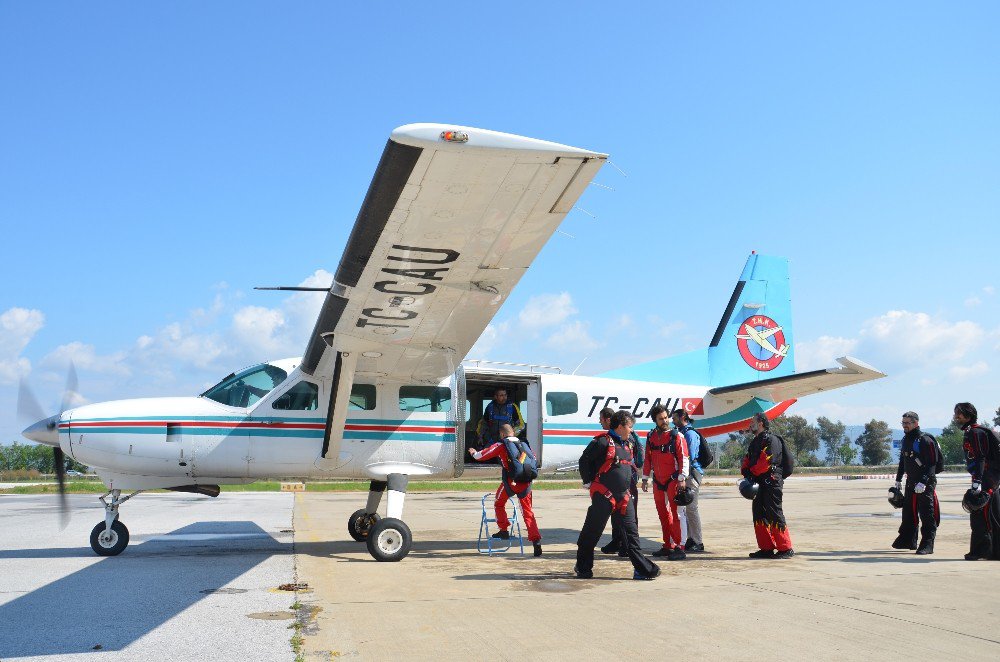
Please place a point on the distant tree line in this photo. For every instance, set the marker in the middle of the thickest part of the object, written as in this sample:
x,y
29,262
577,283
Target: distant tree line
x,y
871,447
28,457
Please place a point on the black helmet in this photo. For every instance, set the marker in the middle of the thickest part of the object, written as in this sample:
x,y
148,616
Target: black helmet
x,y
896,497
749,489
684,496
973,501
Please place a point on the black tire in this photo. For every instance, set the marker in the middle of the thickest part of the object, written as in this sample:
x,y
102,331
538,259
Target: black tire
x,y
389,540
115,545
360,523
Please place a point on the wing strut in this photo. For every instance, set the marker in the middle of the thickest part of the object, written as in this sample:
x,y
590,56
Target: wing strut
x,y
340,398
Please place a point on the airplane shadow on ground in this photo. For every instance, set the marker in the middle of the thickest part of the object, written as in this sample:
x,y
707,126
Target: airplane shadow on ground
x,y
115,601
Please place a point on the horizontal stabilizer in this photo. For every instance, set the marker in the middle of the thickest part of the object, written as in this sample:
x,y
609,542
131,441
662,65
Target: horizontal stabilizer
x,y
801,384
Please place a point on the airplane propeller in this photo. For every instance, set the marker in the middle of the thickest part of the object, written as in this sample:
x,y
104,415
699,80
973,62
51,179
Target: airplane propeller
x,y
44,430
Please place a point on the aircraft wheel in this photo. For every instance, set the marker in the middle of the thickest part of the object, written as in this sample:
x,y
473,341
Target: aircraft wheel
x,y
111,544
389,540
360,523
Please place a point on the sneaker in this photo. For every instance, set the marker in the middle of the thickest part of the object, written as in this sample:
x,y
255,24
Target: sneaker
x,y
676,554
762,554
695,547
501,535
583,574
610,548
689,545
787,554
538,548
661,552
636,575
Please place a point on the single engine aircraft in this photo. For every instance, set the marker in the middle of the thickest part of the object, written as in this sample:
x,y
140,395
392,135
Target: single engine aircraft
x,y
453,218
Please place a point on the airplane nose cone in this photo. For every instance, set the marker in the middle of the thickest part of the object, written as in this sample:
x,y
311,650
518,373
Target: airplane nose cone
x,y
45,431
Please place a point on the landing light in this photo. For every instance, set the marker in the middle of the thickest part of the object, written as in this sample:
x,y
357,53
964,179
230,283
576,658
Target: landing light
x,y
455,136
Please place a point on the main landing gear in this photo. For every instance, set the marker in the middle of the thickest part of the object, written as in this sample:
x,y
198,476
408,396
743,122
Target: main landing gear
x,y
388,539
110,537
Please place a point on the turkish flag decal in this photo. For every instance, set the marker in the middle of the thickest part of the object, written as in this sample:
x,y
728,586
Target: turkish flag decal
x,y
693,406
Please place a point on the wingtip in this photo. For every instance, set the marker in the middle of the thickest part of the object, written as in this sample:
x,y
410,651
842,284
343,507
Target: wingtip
x,y
429,135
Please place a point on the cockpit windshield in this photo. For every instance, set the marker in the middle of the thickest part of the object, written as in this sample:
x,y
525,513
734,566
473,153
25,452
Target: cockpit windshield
x,y
247,387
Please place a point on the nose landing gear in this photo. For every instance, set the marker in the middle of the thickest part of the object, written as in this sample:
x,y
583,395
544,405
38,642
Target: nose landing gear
x,y
110,537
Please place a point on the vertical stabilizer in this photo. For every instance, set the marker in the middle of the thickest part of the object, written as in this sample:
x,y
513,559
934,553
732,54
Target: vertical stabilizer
x,y
752,342
754,338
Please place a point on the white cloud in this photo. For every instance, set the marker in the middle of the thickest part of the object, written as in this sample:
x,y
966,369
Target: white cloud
x,y
972,302
905,339
85,357
17,327
483,349
573,337
989,289
261,331
546,310
966,372
820,353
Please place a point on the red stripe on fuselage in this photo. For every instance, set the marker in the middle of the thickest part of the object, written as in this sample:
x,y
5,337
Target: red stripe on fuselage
x,y
395,428
736,426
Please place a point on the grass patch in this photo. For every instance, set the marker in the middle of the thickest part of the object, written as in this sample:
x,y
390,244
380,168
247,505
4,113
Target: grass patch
x,y
95,487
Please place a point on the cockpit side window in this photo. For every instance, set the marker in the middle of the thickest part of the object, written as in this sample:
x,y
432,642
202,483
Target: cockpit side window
x,y
304,396
247,387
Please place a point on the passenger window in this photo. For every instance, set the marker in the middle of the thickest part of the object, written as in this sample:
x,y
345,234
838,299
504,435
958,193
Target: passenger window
x,y
561,404
304,396
424,398
362,397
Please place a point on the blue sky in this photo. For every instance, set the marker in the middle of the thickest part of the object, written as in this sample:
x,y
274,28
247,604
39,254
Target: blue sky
x,y
157,162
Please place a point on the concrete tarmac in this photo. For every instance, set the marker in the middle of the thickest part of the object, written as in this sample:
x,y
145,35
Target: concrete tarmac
x,y
198,580
846,594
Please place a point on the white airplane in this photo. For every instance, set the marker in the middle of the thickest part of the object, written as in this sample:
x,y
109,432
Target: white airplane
x,y
453,218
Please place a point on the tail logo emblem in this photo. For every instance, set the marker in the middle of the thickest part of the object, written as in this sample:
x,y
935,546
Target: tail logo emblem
x,y
761,343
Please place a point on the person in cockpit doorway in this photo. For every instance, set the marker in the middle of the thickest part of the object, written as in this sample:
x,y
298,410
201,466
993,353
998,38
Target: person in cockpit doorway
x,y
498,412
510,488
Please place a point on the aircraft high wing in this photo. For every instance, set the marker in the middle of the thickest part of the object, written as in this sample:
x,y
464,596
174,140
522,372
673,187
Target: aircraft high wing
x,y
453,218
791,387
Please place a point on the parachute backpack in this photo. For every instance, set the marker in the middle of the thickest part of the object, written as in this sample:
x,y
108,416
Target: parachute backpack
x,y
523,465
787,459
939,462
705,455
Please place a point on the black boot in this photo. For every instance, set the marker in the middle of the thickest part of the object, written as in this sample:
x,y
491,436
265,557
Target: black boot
x,y
501,535
926,546
611,548
538,548
902,542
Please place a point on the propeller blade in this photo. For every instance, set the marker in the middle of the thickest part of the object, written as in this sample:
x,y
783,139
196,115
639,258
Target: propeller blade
x,y
70,393
28,409
59,459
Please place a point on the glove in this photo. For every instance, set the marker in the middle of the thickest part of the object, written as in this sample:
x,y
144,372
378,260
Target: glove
x,y
899,485
919,488
976,487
